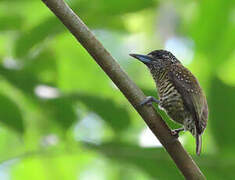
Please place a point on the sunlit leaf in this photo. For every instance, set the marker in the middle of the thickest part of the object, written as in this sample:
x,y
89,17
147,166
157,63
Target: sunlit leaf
x,y
38,165
76,70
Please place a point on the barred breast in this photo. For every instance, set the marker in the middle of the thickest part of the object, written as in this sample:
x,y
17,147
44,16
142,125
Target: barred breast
x,y
171,101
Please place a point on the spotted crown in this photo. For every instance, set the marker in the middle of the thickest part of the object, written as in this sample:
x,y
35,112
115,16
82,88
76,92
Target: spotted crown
x,y
164,55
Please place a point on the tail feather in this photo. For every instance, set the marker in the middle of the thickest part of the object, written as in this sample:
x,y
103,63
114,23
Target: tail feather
x,y
198,143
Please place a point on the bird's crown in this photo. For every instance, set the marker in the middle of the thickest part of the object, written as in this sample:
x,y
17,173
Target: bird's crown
x,y
163,55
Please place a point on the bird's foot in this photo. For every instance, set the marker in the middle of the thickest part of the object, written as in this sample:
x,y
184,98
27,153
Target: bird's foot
x,y
176,132
149,100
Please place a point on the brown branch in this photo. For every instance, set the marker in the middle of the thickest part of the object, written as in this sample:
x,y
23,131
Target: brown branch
x,y
81,32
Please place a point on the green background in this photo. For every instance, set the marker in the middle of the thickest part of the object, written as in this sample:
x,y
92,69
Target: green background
x,y
61,117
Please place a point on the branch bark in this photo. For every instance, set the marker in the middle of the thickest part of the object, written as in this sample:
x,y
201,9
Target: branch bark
x,y
81,32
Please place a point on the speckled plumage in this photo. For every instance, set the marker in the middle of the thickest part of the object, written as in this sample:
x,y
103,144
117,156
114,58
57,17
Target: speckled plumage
x,y
179,91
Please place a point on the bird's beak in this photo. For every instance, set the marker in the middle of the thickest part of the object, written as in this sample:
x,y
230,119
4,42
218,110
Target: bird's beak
x,y
143,58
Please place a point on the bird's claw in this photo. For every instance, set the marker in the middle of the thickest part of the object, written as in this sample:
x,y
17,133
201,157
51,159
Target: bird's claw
x,y
146,103
176,132
149,100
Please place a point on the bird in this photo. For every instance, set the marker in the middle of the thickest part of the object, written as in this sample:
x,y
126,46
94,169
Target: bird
x,y
179,91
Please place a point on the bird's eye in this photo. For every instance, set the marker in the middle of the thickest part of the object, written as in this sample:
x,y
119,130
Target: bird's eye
x,y
150,55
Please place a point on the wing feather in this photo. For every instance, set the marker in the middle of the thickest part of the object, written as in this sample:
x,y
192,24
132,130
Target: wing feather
x,y
192,95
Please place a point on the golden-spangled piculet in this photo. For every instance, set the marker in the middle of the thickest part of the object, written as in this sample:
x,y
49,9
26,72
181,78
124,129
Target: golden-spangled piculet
x,y
181,96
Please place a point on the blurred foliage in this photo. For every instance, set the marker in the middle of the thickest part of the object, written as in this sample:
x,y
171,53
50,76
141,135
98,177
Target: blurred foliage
x,y
62,118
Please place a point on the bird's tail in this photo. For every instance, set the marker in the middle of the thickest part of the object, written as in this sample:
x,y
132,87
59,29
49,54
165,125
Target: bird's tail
x,y
198,143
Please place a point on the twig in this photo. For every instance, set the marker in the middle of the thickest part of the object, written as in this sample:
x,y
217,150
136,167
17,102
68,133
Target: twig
x,y
81,32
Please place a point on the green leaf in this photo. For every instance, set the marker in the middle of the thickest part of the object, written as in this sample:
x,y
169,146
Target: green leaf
x,y
113,114
28,40
50,165
43,67
103,7
10,114
10,22
213,34
77,72
221,102
157,163
61,111
20,79
93,13
153,161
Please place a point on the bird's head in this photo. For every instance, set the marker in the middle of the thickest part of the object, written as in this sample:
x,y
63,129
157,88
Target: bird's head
x,y
157,59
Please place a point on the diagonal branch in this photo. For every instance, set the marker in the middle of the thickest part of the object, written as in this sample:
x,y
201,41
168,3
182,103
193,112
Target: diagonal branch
x,y
81,32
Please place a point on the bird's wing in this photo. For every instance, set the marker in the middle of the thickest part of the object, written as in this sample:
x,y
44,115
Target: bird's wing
x,y
188,86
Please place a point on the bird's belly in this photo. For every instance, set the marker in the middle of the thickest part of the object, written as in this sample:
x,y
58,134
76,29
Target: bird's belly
x,y
175,111
172,102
